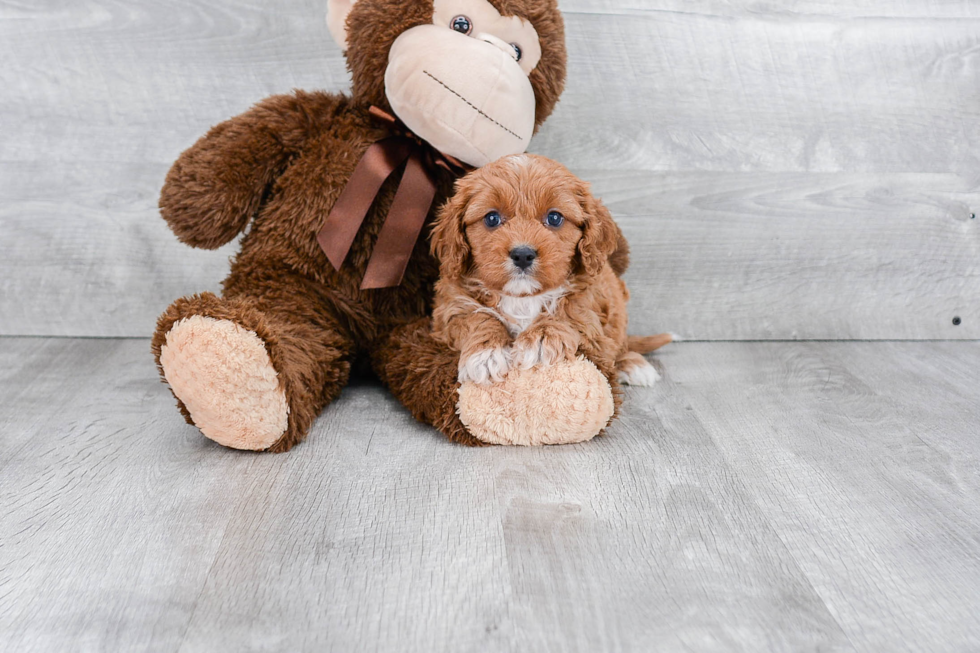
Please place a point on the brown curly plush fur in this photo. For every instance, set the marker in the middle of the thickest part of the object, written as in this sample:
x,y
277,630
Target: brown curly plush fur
x,y
280,167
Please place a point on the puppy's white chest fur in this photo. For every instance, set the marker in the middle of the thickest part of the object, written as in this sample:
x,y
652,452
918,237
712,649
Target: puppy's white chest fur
x,y
519,312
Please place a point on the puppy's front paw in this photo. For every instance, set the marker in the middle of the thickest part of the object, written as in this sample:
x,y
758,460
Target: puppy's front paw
x,y
543,346
484,366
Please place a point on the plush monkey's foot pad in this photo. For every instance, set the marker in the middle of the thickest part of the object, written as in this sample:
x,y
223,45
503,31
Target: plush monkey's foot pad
x,y
564,403
224,377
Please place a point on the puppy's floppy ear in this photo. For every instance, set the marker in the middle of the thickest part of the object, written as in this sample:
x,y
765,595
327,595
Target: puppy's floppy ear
x,y
600,233
448,241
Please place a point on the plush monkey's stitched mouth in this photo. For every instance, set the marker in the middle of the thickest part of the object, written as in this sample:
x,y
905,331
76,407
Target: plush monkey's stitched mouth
x,y
470,104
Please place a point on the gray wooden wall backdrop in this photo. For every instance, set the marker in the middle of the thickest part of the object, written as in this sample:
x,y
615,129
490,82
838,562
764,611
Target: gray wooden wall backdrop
x,y
802,169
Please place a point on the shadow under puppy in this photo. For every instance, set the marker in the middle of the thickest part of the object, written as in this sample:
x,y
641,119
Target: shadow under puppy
x,y
530,266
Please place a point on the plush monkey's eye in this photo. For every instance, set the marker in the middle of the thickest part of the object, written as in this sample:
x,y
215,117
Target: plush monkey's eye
x,y
492,219
462,25
517,51
555,219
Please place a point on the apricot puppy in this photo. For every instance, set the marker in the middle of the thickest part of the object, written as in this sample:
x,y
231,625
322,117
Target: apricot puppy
x,y
526,278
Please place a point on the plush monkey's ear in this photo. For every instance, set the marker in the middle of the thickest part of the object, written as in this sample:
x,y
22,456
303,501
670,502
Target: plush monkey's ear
x,y
337,11
449,244
600,235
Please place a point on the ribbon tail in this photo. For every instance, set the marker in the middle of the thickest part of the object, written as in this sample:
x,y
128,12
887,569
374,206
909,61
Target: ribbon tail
x,y
401,228
339,229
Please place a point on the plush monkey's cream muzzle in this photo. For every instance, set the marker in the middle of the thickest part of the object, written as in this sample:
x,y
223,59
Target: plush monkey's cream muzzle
x,y
467,97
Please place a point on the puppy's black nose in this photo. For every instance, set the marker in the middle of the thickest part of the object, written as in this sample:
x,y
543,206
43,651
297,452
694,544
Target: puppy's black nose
x,y
523,256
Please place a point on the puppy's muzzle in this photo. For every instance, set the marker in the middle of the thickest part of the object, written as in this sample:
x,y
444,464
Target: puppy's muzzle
x,y
523,257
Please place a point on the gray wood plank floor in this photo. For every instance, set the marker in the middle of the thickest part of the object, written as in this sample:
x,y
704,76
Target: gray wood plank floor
x,y
764,497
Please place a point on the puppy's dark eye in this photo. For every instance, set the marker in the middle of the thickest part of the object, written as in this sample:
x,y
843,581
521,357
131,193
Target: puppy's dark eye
x,y
492,219
555,219
462,24
517,51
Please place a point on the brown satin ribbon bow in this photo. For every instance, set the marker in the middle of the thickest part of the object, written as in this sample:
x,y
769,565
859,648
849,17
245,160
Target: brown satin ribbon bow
x,y
406,216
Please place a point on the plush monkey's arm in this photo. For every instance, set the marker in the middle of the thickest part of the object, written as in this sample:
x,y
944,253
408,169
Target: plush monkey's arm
x,y
217,185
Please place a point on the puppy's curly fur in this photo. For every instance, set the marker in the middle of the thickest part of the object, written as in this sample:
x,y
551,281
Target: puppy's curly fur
x,y
502,312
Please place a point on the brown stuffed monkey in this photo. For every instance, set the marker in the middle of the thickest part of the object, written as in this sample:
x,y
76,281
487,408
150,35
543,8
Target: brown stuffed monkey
x,y
334,193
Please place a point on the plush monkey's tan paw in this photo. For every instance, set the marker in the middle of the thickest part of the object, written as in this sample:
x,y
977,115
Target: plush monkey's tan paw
x,y
223,375
566,402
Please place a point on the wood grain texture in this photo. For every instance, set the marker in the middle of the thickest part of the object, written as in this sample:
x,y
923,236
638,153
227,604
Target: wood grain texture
x,y
764,497
763,87
847,132
753,256
864,457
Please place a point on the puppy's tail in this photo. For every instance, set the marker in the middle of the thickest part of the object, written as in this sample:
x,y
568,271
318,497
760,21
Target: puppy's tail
x,y
646,344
